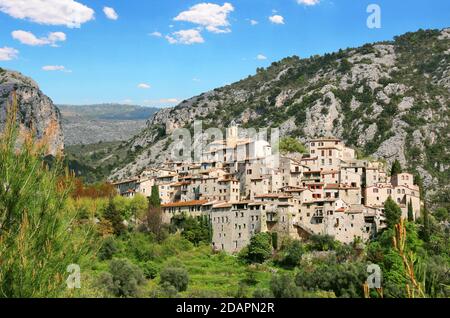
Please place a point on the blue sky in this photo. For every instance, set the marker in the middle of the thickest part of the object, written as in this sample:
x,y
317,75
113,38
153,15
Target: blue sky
x,y
79,55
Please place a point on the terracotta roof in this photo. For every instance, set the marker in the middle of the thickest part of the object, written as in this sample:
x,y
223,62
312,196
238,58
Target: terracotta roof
x,y
184,204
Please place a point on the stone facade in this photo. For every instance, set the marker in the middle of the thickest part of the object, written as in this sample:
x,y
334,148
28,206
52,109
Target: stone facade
x,y
326,191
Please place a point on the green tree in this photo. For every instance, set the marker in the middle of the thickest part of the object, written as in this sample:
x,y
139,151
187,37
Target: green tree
x,y
441,214
113,215
290,254
176,276
123,279
410,211
260,248
392,212
108,249
154,200
396,168
39,237
291,145
283,286
322,243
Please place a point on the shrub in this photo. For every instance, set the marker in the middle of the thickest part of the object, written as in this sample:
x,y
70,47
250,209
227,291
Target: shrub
x,y
322,243
123,278
108,249
176,276
283,286
290,254
150,269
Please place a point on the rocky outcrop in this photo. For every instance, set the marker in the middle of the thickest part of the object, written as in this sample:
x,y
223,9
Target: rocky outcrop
x,y
36,112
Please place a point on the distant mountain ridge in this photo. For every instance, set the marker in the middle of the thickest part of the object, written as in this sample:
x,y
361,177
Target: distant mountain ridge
x,y
108,111
89,124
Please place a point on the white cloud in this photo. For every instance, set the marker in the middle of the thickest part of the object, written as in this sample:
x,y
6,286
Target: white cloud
x,y
188,37
253,22
110,13
195,79
127,101
54,68
308,2
276,19
8,54
29,38
156,34
209,15
261,57
50,12
144,86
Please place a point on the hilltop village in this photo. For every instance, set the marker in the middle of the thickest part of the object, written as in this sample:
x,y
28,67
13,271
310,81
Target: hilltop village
x,y
243,189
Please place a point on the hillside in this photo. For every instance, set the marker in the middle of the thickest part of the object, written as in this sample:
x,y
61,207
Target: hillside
x,y
91,124
390,100
36,111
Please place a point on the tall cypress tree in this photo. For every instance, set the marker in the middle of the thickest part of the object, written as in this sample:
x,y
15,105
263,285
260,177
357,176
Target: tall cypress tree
x,y
396,168
154,200
410,211
392,212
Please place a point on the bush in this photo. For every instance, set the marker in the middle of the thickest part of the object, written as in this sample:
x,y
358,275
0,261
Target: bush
x,y
150,269
290,254
283,286
322,243
177,277
108,249
123,278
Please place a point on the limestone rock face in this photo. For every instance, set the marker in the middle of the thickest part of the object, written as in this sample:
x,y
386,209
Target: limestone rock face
x,y
36,111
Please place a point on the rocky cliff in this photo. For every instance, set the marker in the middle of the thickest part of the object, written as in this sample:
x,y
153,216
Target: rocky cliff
x,y
36,111
390,100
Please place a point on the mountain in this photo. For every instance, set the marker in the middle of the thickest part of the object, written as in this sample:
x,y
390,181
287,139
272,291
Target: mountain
x,y
102,123
36,111
390,100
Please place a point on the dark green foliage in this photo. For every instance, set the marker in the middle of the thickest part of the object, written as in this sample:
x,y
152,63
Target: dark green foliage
x,y
154,199
283,286
150,269
259,249
410,211
345,66
291,145
322,243
396,168
195,230
108,249
345,279
441,214
123,279
290,254
392,212
175,276
113,215
275,240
